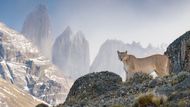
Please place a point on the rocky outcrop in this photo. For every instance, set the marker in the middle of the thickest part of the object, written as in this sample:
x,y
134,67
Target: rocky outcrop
x,y
37,28
106,89
107,58
22,65
179,53
92,86
71,53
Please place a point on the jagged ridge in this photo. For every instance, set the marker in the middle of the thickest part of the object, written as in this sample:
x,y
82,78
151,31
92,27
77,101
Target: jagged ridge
x,y
22,64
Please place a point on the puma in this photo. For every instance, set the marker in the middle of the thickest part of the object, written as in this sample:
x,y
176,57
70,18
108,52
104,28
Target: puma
x,y
155,65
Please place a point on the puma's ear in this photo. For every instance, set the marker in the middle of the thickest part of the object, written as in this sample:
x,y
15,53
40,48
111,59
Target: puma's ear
x,y
119,55
126,51
118,52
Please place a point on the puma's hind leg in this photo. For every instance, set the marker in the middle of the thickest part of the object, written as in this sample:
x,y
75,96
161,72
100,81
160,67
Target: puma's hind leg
x,y
153,74
162,72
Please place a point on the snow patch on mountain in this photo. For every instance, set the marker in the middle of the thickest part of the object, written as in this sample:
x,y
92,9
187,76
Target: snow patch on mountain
x,y
22,65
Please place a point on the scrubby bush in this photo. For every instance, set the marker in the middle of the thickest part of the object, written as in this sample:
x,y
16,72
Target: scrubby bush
x,y
149,100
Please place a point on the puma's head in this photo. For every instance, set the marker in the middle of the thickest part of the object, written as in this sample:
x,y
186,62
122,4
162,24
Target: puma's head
x,y
122,55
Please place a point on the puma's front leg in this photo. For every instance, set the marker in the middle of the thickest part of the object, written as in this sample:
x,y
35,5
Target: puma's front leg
x,y
127,76
130,75
126,73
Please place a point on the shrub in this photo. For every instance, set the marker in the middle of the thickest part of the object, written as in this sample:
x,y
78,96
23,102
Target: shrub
x,y
149,99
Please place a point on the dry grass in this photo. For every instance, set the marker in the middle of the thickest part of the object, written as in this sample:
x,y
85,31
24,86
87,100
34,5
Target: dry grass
x,y
149,100
15,97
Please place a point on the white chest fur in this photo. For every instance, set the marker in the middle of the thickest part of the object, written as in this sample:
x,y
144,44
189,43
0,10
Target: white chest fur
x,y
153,74
126,67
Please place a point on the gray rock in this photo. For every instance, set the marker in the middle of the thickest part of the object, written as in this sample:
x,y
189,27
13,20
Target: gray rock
x,y
179,53
93,86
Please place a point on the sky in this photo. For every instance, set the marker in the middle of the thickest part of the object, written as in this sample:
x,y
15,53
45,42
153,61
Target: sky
x,y
144,21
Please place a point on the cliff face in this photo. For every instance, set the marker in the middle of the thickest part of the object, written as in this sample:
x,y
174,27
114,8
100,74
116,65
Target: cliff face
x,y
22,64
37,28
71,53
179,53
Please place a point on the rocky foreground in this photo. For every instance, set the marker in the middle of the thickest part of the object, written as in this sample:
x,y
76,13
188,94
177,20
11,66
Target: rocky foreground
x,y
106,89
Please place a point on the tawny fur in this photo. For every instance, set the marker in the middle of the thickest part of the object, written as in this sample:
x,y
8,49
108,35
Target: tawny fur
x,y
158,63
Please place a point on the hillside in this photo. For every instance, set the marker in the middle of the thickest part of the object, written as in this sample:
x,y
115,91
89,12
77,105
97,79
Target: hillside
x,y
22,64
12,96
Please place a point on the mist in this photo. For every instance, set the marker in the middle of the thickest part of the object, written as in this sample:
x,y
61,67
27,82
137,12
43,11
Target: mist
x,y
144,21
94,52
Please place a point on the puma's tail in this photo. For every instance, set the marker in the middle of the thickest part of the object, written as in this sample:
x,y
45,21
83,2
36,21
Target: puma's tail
x,y
169,66
169,63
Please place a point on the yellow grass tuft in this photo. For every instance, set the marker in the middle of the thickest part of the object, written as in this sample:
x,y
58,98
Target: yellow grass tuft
x,y
149,99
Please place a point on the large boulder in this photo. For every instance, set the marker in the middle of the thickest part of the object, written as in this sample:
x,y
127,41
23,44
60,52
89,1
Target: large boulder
x,y
92,86
179,53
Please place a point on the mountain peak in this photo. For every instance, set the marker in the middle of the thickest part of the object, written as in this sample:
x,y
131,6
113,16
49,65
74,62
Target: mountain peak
x,y
21,63
37,28
80,36
66,35
71,53
41,7
80,33
68,29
